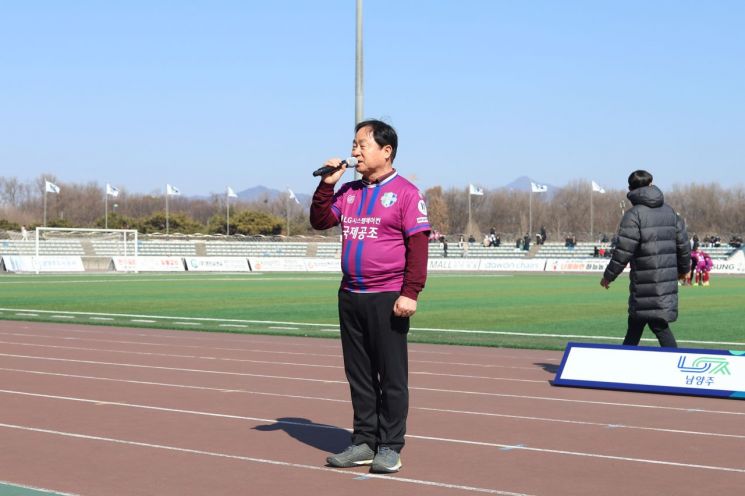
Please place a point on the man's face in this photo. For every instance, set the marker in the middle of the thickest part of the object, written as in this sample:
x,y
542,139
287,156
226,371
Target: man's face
x,y
371,157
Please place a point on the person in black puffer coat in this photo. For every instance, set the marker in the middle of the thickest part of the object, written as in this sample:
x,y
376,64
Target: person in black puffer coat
x,y
653,238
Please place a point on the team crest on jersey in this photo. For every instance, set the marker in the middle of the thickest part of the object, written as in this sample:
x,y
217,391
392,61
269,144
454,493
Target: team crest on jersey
x,y
388,199
422,207
350,199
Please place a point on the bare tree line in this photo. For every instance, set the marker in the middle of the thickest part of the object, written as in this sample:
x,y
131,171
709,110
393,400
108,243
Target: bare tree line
x,y
709,209
85,205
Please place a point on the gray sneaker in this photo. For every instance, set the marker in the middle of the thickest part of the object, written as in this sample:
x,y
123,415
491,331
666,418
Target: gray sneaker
x,y
386,461
353,456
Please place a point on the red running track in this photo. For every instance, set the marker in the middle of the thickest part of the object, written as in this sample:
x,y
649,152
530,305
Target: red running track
x,y
111,411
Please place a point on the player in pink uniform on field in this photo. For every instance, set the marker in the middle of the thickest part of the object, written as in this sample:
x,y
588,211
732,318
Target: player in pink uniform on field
x,y
704,265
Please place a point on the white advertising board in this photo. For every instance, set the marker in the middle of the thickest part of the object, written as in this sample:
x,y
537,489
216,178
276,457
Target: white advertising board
x,y
578,265
512,265
148,264
217,264
43,263
666,370
278,264
733,265
453,264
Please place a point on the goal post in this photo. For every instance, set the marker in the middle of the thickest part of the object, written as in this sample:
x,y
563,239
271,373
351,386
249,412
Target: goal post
x,y
84,242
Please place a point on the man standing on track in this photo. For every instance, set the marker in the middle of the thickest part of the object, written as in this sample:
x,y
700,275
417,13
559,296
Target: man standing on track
x,y
652,236
384,264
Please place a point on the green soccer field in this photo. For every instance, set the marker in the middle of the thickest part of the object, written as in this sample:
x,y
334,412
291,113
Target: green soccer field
x,y
520,310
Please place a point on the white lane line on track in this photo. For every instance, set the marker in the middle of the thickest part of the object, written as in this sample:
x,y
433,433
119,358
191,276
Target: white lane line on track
x,y
62,316
174,345
415,388
177,386
496,356
146,321
284,328
462,376
178,369
18,314
245,360
346,473
410,436
254,339
336,400
424,329
187,323
101,318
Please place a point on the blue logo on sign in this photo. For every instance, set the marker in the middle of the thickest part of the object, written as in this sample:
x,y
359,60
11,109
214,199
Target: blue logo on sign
x,y
715,365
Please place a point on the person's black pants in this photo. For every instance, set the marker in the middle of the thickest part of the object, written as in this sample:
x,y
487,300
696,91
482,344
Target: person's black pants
x,y
659,327
377,367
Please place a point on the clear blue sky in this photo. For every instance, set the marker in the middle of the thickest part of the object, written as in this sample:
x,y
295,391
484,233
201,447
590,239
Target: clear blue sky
x,y
204,94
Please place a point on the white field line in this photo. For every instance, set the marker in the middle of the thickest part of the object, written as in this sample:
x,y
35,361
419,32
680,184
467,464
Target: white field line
x,y
346,473
446,391
424,329
603,425
410,436
119,280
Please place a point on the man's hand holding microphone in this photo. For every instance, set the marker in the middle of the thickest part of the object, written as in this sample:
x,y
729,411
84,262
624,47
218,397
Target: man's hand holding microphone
x,y
334,168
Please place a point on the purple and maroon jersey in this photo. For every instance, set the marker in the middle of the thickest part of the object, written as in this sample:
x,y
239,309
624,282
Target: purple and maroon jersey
x,y
375,220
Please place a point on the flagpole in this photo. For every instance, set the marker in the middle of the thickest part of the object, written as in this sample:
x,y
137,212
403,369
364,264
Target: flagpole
x,y
287,204
592,214
227,218
167,210
469,211
106,209
530,212
45,205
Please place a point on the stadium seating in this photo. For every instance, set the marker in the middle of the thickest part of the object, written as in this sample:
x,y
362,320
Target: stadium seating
x,y
256,249
47,247
318,248
475,251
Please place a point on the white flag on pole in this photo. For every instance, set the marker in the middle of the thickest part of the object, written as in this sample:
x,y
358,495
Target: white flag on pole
x,y
231,193
292,196
473,190
596,187
50,187
538,188
172,190
112,191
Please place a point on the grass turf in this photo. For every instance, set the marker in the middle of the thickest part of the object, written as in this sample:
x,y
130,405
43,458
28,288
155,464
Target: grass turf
x,y
520,310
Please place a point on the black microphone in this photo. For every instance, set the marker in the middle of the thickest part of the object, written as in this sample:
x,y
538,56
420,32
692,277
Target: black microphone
x,y
327,169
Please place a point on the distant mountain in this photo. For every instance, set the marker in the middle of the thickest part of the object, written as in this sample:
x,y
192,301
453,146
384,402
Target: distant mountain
x,y
261,193
522,183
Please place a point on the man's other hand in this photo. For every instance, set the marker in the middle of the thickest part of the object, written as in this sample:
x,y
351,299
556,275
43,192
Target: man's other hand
x,y
404,307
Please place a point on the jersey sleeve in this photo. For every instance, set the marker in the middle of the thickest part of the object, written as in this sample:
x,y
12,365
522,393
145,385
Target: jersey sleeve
x,y
338,201
414,214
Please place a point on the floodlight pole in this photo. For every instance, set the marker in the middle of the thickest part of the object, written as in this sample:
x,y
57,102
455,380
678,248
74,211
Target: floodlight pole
x,y
358,76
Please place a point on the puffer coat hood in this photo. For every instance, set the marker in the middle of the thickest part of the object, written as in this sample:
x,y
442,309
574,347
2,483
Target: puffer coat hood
x,y
653,238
